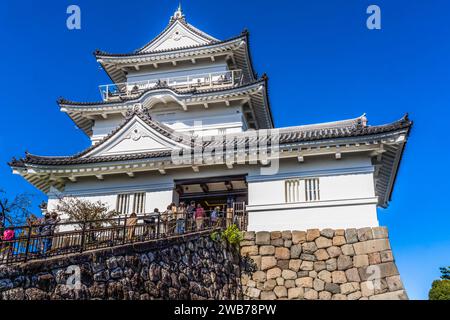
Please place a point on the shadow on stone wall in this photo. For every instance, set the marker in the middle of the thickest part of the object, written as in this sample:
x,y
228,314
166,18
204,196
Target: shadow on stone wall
x,y
187,267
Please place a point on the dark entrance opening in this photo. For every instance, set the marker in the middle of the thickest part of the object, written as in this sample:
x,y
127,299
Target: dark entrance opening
x,y
229,193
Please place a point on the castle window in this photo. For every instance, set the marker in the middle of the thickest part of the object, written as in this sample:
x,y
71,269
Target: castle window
x,y
299,190
312,191
129,203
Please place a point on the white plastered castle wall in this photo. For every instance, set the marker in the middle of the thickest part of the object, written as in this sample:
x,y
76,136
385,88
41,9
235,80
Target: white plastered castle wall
x,y
347,195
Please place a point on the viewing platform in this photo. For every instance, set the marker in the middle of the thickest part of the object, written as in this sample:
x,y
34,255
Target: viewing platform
x,y
205,81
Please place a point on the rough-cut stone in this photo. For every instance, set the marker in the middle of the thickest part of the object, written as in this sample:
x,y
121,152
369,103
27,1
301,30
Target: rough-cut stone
x,y
394,283
378,271
312,274
295,293
269,285
351,235
249,235
347,249
307,266
321,254
344,262
318,284
319,266
331,264
253,292
367,289
365,234
324,295
361,260
294,264
332,288
268,295
249,251
246,243
309,247
282,253
352,275
325,276
286,235
268,262
339,297
263,237
287,243
259,276
305,282
275,235
338,277
371,246
334,251
349,287
311,294
273,273
296,250
257,261
323,242
338,241
280,291
298,237
387,256
277,242
374,258
289,283
283,264
327,233
280,281
267,250
380,233
354,296
307,257
289,275
312,234
396,295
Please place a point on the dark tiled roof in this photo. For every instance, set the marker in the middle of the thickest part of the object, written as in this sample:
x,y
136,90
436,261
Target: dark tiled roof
x,y
327,131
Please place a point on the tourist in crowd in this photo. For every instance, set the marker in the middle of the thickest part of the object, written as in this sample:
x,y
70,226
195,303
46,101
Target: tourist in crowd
x,y
190,211
131,222
181,213
215,216
199,216
6,248
150,222
46,232
166,217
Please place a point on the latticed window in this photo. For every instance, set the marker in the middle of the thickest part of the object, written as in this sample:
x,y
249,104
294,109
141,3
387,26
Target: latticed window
x,y
129,203
292,192
302,190
312,191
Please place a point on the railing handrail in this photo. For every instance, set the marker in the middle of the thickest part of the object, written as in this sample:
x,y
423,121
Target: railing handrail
x,y
104,89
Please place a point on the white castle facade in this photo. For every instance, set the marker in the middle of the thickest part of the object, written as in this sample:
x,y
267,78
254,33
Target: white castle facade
x,y
188,95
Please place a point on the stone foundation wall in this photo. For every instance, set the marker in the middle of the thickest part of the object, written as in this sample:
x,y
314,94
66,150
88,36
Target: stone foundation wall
x,y
329,264
188,267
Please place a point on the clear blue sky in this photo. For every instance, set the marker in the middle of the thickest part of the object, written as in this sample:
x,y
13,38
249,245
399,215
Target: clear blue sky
x,y
323,65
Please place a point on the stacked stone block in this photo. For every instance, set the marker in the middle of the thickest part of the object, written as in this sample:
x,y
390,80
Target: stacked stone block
x,y
352,264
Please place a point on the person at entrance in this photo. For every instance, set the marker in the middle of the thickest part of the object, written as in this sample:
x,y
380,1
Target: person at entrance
x,y
199,216
131,223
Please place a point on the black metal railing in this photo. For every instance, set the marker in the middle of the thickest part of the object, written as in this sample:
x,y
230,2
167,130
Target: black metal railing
x,y
31,242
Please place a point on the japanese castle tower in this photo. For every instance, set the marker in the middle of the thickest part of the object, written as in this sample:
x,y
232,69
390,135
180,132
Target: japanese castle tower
x,y
187,118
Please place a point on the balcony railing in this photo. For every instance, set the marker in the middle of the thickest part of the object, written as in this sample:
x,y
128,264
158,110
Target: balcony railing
x,y
214,80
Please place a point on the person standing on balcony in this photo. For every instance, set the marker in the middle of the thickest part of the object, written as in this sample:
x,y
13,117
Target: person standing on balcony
x,y
199,216
181,213
46,231
190,211
6,248
131,225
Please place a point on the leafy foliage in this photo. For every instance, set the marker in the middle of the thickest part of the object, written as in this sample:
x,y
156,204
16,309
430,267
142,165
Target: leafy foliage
x,y
78,210
232,235
440,289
